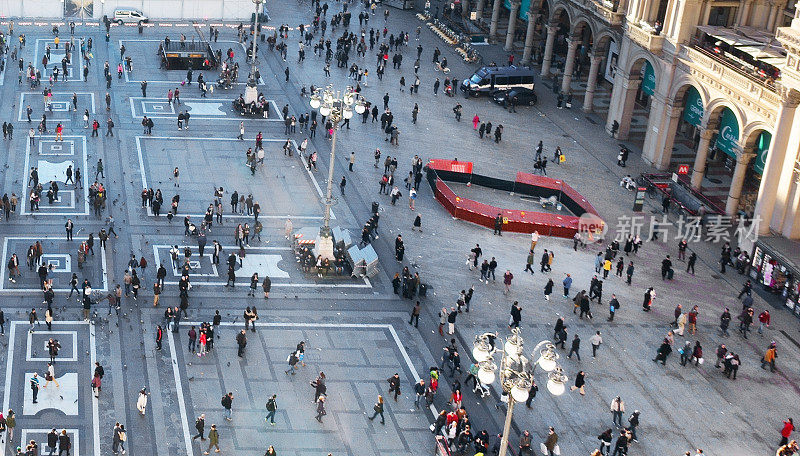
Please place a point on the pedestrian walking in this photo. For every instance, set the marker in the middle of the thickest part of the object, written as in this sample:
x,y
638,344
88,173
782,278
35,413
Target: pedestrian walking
x,y
50,376
575,348
451,320
721,352
141,402
394,385
159,336
200,426
613,305
567,283
321,409
419,392
415,311
34,383
272,407
227,405
551,443
633,423
507,277
548,289
241,342
786,431
769,357
763,322
516,316
596,340
213,439
378,408
292,360
529,262
580,382
617,410
118,439
11,424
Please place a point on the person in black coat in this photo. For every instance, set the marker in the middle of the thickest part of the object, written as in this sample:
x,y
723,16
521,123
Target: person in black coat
x,y
394,385
52,440
399,248
663,351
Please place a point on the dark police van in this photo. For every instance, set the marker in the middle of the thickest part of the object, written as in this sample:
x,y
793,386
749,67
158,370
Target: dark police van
x,y
489,79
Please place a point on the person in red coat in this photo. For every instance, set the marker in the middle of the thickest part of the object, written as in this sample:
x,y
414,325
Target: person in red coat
x,y
763,319
788,428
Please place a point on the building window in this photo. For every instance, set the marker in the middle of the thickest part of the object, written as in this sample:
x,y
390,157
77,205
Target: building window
x,y
722,16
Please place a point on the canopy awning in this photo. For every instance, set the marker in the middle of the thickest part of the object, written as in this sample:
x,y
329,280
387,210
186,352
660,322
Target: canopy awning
x,y
748,46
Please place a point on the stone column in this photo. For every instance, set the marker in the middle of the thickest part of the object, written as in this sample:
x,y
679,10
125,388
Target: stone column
x,y
660,136
479,10
744,13
528,52
742,160
495,18
548,49
591,83
773,16
622,103
512,25
771,182
701,157
569,66
791,224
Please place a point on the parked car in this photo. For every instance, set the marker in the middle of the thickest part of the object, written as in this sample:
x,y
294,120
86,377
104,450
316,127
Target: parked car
x,y
130,15
525,97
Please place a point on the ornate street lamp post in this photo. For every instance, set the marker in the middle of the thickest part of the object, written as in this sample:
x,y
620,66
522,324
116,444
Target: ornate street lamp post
x,y
251,89
516,371
253,68
336,106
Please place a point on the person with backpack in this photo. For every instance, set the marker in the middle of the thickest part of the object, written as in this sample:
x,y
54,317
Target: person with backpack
x,y
292,360
227,405
272,407
200,426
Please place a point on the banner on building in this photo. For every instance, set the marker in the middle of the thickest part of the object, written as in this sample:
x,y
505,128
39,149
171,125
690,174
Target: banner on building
x,y
728,136
761,150
693,111
648,79
611,61
523,8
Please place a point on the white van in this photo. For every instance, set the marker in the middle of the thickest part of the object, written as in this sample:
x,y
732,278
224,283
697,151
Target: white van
x,y
122,15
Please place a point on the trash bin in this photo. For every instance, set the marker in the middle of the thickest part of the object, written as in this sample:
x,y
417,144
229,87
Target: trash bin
x,y
375,206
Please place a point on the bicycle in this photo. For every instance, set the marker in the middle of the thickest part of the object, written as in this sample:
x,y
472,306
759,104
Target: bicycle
x,y
439,67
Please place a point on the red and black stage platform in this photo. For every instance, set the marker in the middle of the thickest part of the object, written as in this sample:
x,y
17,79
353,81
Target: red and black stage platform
x,y
439,172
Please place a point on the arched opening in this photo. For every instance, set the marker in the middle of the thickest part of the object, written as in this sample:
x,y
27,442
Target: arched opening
x,y
540,32
562,23
720,158
726,143
758,143
648,86
687,133
583,34
635,112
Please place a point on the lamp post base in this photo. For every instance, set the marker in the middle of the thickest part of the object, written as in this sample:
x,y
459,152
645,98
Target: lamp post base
x,y
250,93
325,243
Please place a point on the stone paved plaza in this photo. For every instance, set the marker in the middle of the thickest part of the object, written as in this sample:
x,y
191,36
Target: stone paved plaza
x,y
356,330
